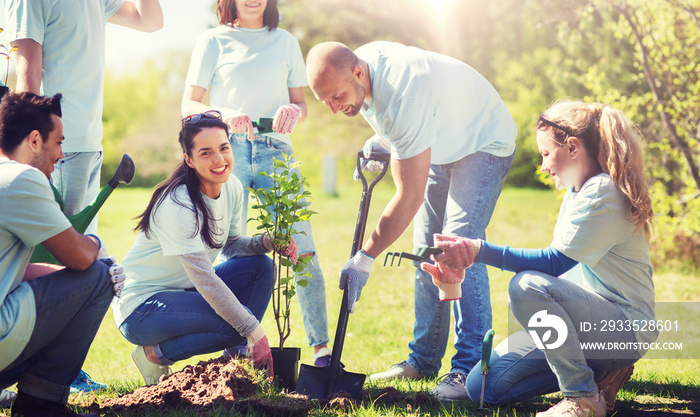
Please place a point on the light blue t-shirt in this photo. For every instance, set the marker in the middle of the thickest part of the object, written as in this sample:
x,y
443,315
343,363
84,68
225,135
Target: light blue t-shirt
x,y
593,228
72,36
152,263
29,215
248,70
423,99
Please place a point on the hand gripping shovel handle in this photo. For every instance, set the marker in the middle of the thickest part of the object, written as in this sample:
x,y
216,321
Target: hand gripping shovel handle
x,y
334,367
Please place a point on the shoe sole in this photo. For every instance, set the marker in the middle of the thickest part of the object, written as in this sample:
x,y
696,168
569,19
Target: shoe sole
x,y
618,381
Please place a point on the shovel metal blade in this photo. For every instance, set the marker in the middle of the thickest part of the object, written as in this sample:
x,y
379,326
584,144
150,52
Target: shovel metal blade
x,y
321,383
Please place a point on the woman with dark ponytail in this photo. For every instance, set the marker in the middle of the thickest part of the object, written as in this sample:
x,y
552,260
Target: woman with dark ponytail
x,y
175,303
596,271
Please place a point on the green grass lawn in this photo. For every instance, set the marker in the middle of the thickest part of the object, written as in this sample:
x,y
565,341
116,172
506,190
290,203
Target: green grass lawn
x,y
379,332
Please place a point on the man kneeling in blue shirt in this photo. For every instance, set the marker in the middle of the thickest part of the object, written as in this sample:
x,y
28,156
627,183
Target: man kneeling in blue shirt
x,y
49,314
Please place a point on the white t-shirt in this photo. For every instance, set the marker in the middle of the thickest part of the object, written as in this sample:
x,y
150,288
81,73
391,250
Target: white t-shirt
x,y
30,215
152,263
72,37
423,99
248,70
593,228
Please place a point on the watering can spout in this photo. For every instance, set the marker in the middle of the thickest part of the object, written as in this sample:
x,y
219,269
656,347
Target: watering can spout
x,y
125,172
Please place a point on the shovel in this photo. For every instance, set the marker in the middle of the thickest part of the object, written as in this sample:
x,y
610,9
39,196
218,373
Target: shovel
x,y
321,383
80,221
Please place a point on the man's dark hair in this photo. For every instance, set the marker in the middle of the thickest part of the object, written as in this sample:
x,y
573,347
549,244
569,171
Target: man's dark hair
x,y
21,113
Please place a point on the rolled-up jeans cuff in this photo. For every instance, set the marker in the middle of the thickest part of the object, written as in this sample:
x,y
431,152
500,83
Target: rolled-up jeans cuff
x,y
161,356
43,389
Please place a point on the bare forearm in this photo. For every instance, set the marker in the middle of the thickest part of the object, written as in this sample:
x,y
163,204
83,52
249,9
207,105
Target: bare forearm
x,y
28,63
143,15
193,107
410,177
37,270
72,249
394,220
304,111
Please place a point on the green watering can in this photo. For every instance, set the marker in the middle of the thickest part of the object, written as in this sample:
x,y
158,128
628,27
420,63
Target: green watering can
x,y
80,221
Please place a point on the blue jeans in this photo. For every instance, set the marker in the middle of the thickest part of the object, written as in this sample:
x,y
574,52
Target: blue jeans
x,y
77,179
459,200
70,306
182,324
519,370
250,159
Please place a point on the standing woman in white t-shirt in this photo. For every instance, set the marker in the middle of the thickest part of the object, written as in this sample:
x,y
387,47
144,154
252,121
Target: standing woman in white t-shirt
x,y
175,304
255,70
590,286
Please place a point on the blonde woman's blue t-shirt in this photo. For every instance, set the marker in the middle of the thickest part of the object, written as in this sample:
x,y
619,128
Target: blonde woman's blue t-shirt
x,y
152,264
593,228
248,70
29,215
423,99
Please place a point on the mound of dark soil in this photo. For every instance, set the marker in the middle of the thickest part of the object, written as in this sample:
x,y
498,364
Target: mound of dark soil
x,y
214,384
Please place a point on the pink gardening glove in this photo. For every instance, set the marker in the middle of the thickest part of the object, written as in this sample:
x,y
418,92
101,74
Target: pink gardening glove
x,y
448,280
457,252
259,350
291,251
286,117
238,122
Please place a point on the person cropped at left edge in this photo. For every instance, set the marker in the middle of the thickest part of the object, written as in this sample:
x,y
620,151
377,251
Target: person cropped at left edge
x,y
61,49
51,313
175,303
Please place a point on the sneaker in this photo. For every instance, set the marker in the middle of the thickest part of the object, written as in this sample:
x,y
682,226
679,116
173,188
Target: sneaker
x,y
7,398
30,406
150,371
322,358
400,370
84,383
611,384
577,407
452,388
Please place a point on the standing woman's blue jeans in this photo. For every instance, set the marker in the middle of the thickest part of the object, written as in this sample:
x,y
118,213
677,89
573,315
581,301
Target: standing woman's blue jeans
x,y
181,324
250,158
459,200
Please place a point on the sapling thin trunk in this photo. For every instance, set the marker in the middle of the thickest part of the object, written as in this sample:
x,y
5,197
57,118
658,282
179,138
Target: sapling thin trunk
x,y
280,208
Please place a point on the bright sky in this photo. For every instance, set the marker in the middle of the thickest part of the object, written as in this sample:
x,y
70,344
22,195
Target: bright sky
x,y
184,21
126,49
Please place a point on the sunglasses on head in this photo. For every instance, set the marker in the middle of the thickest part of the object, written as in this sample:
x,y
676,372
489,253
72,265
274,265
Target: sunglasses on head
x,y
552,124
193,119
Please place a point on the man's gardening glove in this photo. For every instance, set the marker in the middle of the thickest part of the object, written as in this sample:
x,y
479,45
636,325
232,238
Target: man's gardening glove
x,y
259,350
448,280
286,117
116,274
354,276
457,252
290,250
375,144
